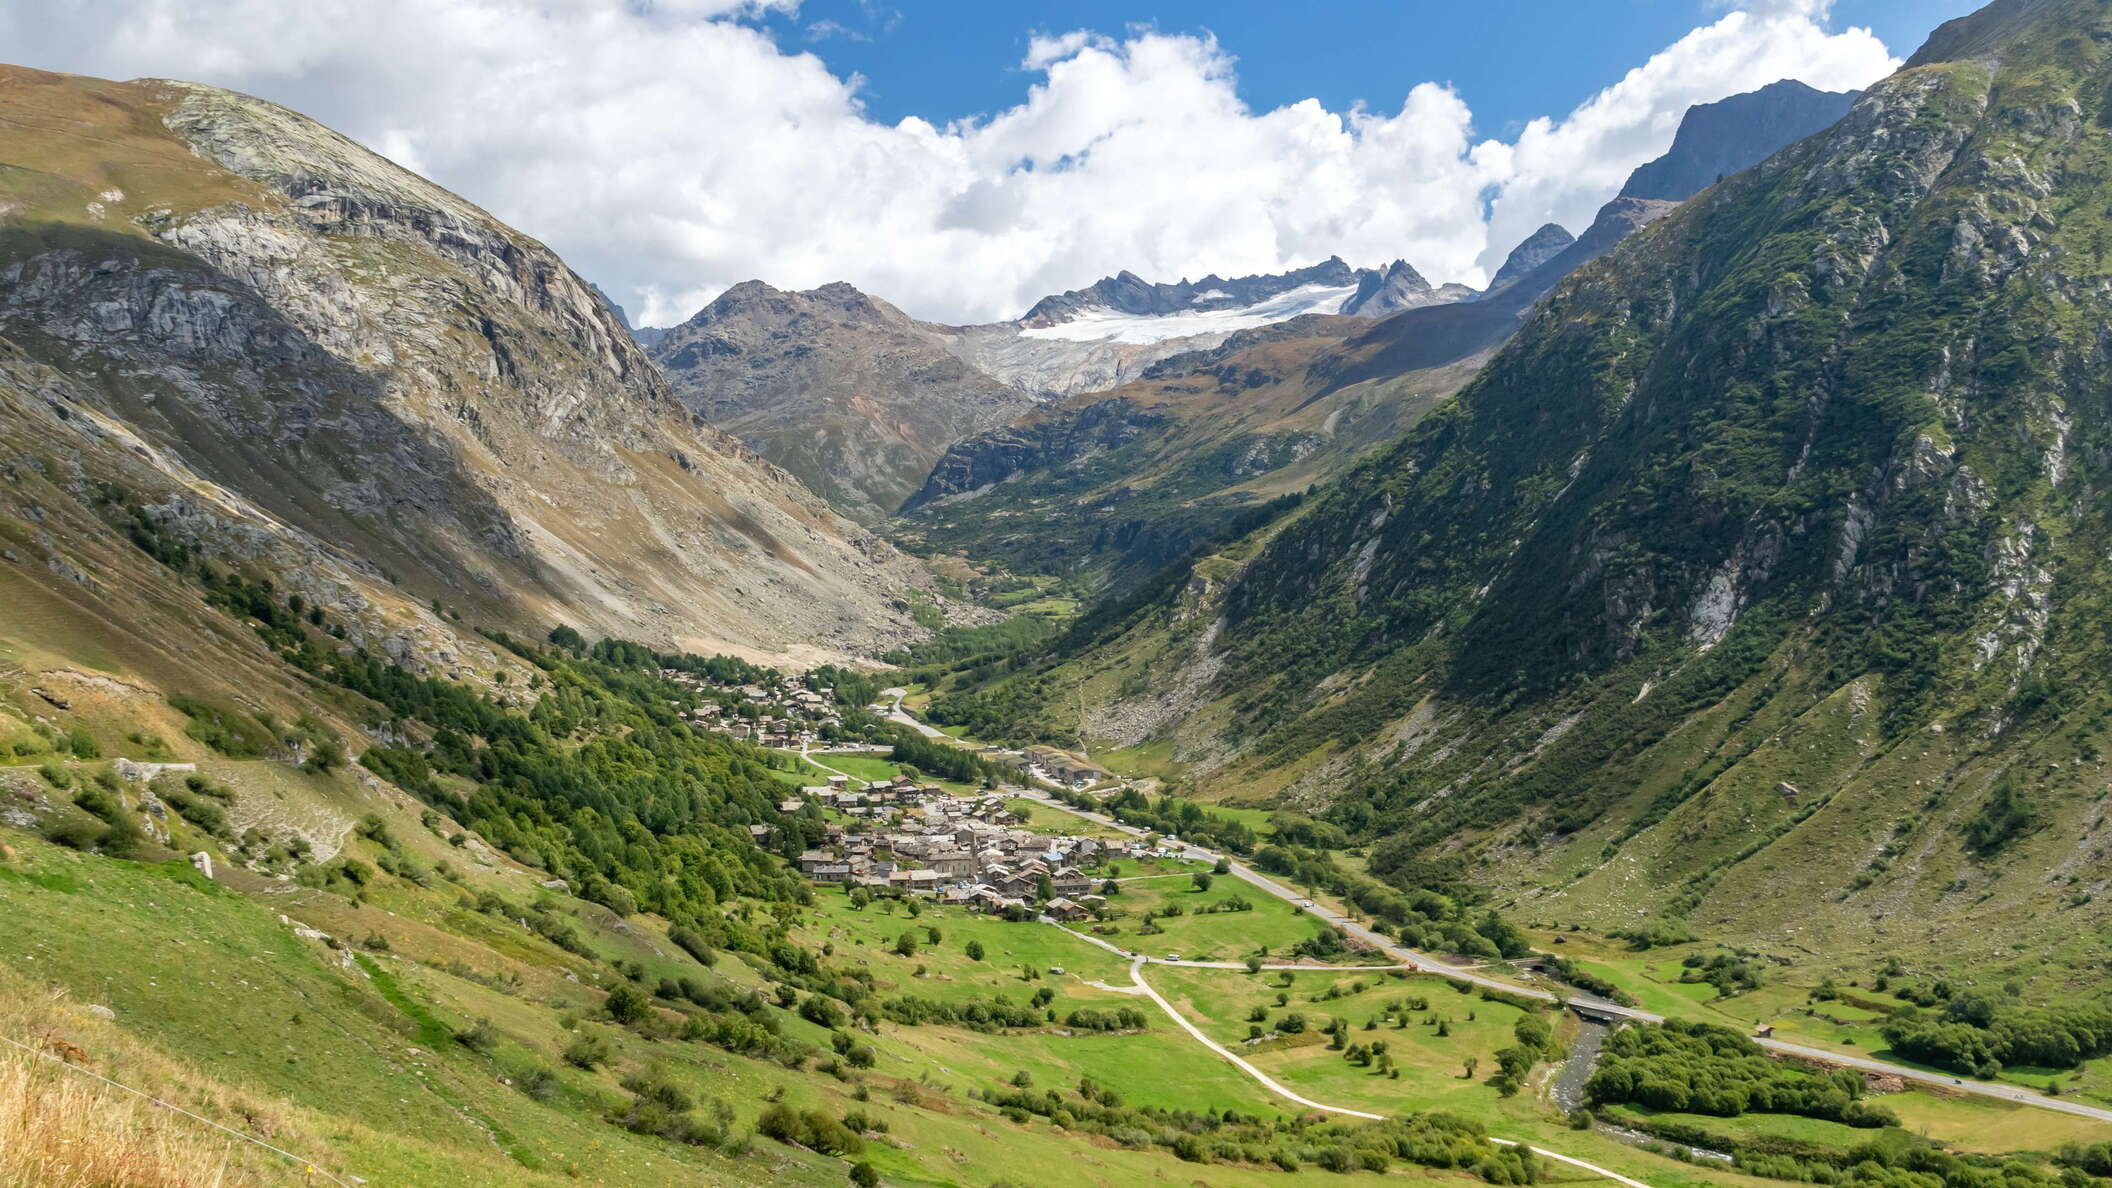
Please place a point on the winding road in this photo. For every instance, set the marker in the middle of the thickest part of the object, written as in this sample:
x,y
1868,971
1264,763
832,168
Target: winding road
x,y
1411,958
1136,973
901,717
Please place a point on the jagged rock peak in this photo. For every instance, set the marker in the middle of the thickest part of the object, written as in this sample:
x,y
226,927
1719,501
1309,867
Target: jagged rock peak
x,y
1718,139
1126,292
1537,249
1399,287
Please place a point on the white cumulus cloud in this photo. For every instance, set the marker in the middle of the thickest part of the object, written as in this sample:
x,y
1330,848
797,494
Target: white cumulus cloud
x,y
1561,170
669,148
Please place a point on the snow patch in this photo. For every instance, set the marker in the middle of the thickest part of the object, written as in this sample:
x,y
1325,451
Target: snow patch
x,y
1108,325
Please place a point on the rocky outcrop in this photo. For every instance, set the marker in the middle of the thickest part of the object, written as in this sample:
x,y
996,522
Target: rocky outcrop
x,y
369,372
844,390
1537,249
1718,139
1399,287
1051,440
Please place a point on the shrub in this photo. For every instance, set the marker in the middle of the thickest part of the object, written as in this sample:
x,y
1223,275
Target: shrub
x,y
198,811
627,1006
811,1129
479,1037
537,1080
587,1050
231,732
821,1011
76,834
690,941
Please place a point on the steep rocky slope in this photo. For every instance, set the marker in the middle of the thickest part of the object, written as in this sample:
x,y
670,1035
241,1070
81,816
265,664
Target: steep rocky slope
x,y
1117,484
860,401
321,354
1536,249
844,390
1721,138
1758,580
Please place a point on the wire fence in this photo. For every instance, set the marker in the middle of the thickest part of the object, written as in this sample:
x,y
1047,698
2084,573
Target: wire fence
x,y
310,1169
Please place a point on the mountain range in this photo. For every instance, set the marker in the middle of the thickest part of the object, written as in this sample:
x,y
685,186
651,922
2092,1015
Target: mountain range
x,y
1116,485
278,344
859,400
863,403
1641,720
1754,583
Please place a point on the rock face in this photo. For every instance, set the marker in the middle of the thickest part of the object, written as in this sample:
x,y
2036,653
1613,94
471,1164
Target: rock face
x,y
1399,287
847,392
1128,293
1537,249
328,357
1807,477
1718,139
1059,439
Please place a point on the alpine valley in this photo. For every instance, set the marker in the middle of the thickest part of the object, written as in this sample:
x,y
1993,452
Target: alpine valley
x,y
1640,718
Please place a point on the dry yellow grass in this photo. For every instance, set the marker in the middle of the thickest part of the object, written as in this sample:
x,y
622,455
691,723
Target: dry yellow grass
x,y
61,1130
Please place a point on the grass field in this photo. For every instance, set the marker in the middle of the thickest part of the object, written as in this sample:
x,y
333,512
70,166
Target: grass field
x,y
350,1046
1044,817
865,938
1432,1067
869,768
1849,1023
803,774
1199,935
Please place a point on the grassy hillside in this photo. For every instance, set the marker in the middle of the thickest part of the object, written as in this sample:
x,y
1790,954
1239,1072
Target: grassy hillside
x,y
295,345
1755,584
524,938
1108,488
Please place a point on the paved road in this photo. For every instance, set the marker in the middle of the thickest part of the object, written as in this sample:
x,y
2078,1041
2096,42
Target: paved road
x,y
1136,973
897,714
1300,967
1433,965
808,755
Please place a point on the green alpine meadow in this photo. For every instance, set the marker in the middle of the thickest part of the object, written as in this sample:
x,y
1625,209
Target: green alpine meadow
x,y
1513,649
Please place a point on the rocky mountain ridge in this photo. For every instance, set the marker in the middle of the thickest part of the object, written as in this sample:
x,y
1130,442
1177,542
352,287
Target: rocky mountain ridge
x,y
1377,292
1753,582
860,401
844,390
375,372
1533,251
1226,431
1721,138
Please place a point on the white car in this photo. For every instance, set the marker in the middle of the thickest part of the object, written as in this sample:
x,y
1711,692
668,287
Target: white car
x,y
1173,956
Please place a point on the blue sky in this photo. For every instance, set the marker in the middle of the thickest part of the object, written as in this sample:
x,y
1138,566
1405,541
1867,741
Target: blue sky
x,y
963,159
1511,59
